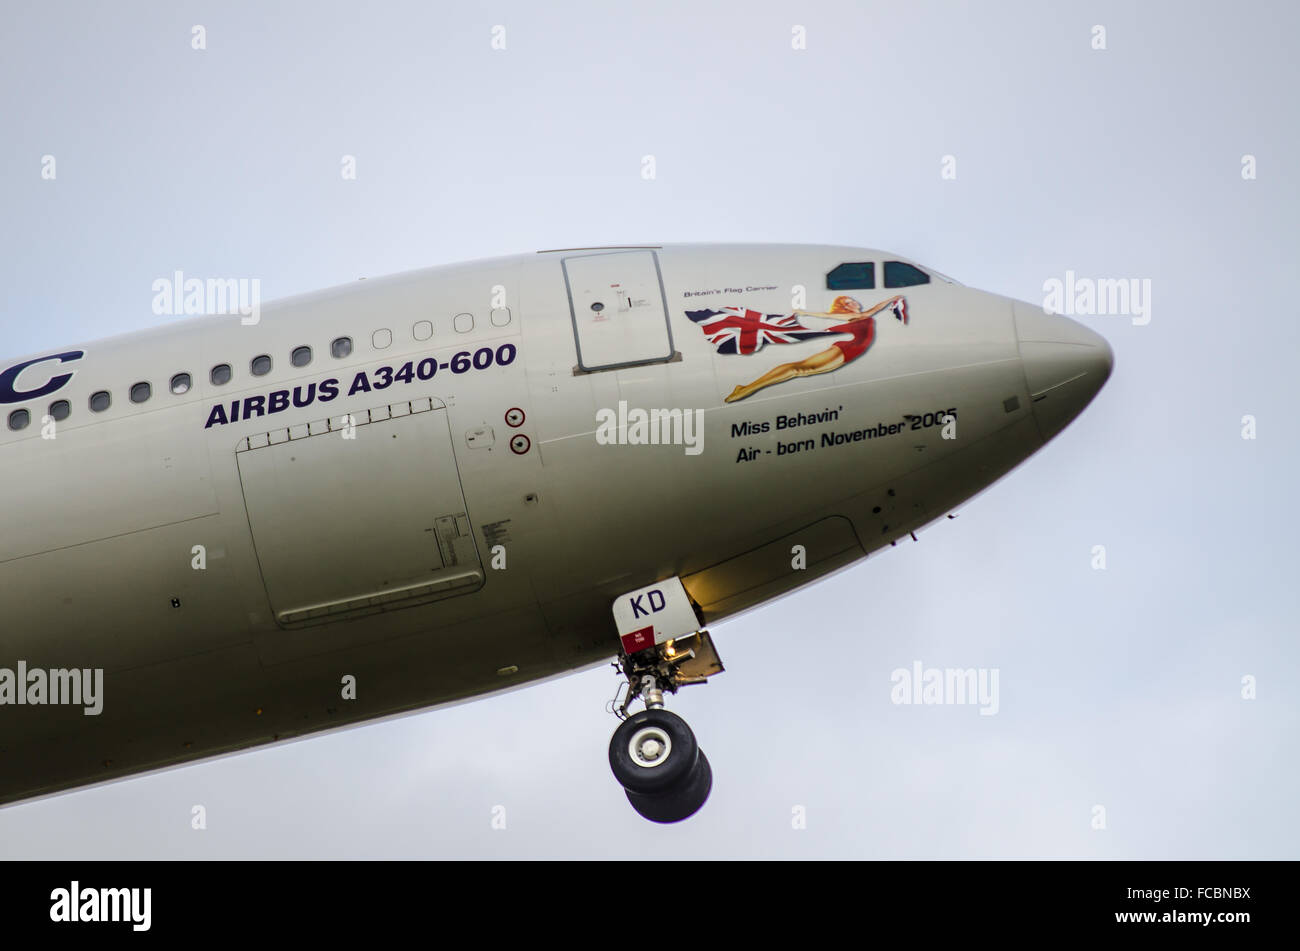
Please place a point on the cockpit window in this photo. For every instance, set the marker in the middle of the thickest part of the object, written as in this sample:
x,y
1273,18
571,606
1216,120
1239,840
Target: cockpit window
x,y
850,277
902,274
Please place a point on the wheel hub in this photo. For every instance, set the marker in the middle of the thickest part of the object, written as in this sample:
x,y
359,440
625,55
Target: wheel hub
x,y
649,747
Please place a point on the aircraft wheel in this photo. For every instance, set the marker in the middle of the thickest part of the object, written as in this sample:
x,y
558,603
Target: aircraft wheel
x,y
679,803
653,752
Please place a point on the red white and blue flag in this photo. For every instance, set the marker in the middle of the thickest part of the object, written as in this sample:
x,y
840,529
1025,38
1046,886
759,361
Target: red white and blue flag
x,y
899,309
741,330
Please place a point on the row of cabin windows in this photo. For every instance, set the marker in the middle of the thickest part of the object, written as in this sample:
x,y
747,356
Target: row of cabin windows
x,y
862,276
221,374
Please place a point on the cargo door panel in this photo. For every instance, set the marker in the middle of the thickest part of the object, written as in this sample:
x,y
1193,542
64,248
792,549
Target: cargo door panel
x,y
353,517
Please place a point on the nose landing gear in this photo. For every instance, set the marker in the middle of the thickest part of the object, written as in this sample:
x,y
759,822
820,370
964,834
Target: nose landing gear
x,y
653,754
661,768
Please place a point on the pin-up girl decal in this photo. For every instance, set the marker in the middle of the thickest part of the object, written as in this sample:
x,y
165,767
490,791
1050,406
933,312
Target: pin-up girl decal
x,y
859,323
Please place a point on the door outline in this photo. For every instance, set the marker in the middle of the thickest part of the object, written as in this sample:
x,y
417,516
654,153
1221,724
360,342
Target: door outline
x,y
454,584
672,356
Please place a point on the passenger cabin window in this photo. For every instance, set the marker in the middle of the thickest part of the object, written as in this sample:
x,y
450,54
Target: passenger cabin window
x,y
301,356
852,277
902,274
180,383
260,365
141,392
60,410
100,401
220,374
19,419
341,347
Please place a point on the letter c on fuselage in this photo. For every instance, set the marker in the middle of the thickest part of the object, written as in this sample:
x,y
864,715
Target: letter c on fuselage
x,y
7,379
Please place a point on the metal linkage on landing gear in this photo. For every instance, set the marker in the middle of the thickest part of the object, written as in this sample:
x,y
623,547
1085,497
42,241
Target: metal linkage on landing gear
x,y
653,754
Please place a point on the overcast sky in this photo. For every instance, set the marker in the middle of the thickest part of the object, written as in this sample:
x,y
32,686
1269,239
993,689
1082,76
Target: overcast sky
x,y
1119,688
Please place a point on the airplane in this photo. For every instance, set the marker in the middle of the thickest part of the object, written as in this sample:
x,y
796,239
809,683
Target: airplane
x,y
411,491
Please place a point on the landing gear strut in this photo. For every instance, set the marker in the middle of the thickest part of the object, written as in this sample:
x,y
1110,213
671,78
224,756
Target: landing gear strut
x,y
653,754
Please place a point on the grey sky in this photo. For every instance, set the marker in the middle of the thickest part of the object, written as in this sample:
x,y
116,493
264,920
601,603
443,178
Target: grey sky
x,y
1119,688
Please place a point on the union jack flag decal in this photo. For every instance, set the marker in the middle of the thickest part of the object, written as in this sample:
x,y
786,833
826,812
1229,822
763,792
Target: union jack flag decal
x,y
741,330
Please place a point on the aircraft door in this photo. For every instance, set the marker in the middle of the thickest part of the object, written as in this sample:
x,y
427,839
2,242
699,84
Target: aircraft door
x,y
616,302
358,516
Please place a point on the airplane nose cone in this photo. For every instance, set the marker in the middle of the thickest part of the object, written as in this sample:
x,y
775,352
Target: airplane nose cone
x,y
1065,365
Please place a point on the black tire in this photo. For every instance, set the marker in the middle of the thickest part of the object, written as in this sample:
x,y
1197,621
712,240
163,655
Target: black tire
x,y
677,804
672,771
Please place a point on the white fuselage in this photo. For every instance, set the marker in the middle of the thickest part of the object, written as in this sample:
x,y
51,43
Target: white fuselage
x,y
452,508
